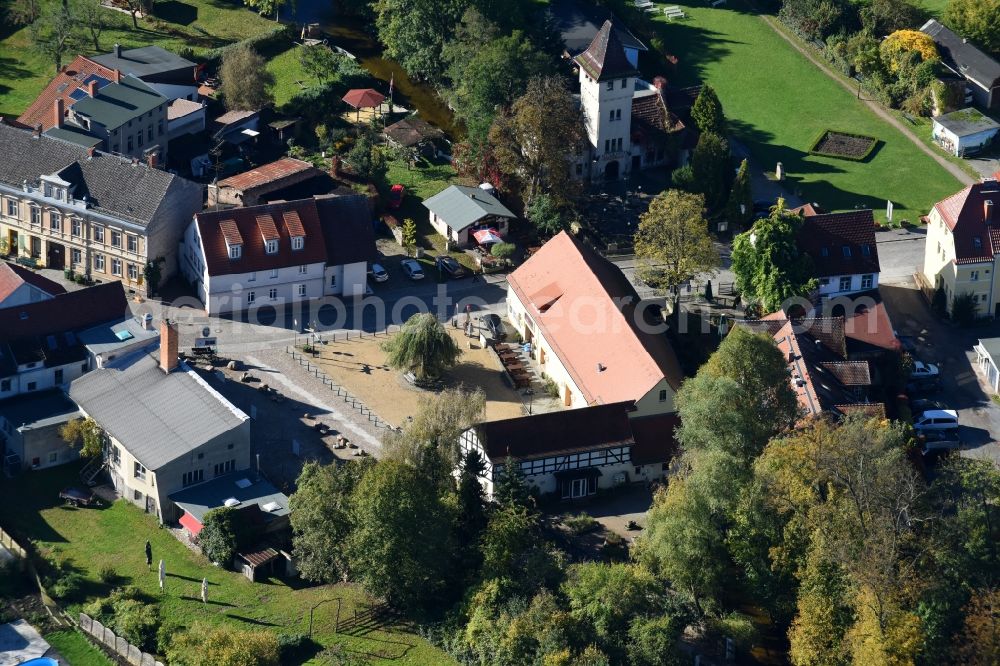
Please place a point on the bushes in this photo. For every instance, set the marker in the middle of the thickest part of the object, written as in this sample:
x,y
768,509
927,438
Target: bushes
x,y
108,574
261,42
964,310
581,523
129,615
224,646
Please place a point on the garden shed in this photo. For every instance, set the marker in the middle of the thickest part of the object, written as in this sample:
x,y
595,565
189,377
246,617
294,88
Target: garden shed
x,y
964,132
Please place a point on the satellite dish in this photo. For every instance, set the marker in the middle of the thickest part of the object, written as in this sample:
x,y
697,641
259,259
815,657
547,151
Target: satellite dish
x,y
206,332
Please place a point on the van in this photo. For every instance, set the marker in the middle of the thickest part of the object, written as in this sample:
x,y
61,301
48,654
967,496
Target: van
x,y
937,419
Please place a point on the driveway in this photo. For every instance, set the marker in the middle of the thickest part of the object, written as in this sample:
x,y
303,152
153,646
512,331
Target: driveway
x,y
951,348
900,254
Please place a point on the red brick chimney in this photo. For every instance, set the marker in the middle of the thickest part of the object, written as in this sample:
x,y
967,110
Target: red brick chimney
x,y
168,345
118,76
152,160
659,82
58,111
92,88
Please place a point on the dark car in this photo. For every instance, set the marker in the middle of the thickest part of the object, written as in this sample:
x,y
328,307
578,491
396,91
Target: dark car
x,y
495,326
449,267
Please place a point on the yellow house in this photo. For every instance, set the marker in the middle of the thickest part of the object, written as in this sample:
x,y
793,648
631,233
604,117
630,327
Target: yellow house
x,y
963,243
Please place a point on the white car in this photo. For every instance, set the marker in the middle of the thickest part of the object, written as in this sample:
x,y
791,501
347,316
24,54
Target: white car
x,y
936,419
378,273
412,269
923,370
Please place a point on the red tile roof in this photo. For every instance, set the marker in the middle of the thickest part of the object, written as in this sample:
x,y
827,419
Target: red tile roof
x,y
61,87
540,435
71,311
268,229
247,224
964,214
592,323
13,276
294,224
849,373
230,232
605,57
871,327
266,174
824,237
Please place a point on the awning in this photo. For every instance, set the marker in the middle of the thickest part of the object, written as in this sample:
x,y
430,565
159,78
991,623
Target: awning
x,y
487,236
190,523
581,473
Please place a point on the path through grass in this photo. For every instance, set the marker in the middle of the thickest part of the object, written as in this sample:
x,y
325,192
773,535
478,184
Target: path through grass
x,y
778,103
114,536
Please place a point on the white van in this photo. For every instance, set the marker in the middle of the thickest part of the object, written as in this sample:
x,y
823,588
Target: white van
x,y
937,419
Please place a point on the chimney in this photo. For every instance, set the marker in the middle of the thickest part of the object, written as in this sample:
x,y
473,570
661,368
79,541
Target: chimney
x,y
92,88
37,131
90,153
147,322
152,160
118,76
988,211
335,166
660,83
58,111
118,50
168,345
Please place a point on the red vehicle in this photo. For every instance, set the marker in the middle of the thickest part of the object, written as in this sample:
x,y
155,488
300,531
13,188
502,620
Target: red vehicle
x,y
396,196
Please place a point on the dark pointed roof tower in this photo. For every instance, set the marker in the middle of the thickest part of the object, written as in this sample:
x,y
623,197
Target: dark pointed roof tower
x,y
605,57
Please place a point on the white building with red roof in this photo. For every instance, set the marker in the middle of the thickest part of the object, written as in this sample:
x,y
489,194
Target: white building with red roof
x,y
589,332
963,243
19,286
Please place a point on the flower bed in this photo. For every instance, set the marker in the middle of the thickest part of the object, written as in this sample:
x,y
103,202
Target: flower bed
x,y
856,147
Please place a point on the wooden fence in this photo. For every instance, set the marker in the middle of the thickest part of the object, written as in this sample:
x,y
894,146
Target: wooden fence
x,y
115,643
7,541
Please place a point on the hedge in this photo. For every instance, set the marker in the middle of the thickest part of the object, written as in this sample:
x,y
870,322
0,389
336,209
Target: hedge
x,y
872,144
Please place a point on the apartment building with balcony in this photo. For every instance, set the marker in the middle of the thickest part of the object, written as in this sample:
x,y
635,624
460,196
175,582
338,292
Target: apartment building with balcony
x,y
65,206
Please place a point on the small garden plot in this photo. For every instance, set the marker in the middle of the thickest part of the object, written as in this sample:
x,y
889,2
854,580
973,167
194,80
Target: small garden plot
x,y
844,145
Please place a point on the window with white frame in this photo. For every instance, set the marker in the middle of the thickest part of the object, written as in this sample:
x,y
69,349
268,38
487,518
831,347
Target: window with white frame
x,y
302,269
252,277
333,281
36,216
116,238
12,208
99,234
845,283
133,272
235,251
76,256
274,273
611,85
116,266
297,242
251,297
133,243
867,281
973,276
302,290
55,221
272,293
99,262
77,228
271,247
139,471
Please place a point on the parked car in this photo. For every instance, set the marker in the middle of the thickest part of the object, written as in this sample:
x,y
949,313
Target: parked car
x,y
495,326
377,273
449,267
396,194
921,405
936,419
412,269
928,386
923,370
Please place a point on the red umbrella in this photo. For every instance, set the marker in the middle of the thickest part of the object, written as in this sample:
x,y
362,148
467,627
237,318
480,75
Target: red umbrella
x,y
364,98
487,236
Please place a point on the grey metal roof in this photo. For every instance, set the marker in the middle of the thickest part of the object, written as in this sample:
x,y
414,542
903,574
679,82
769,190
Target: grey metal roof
x,y
578,22
118,103
963,57
966,122
143,61
39,409
112,185
156,416
462,206
72,134
107,338
202,498
992,347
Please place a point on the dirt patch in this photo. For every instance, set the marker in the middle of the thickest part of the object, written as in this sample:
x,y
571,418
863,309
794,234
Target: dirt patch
x,y
359,366
843,144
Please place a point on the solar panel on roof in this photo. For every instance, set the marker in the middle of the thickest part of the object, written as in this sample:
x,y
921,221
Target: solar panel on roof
x,y
78,94
100,79
123,335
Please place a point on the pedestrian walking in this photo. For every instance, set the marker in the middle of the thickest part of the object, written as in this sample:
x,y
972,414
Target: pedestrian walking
x,y
149,556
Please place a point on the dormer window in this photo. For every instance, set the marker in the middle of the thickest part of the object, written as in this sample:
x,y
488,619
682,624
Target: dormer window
x,y
824,251
866,250
978,242
847,251
297,242
271,247
235,251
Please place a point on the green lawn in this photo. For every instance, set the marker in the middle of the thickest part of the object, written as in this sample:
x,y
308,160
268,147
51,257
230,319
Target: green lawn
x,y
933,7
90,539
778,102
77,650
196,24
288,72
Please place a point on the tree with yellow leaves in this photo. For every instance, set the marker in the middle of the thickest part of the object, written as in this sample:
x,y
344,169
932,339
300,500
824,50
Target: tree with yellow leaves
x,y
901,43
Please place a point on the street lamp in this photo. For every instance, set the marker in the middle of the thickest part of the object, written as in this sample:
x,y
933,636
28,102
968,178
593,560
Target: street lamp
x,y
531,398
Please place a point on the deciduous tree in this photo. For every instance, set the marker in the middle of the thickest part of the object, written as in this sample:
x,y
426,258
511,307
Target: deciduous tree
x,y
84,433
53,33
546,216
896,46
535,141
266,7
366,159
767,262
414,32
92,15
246,82
422,346
672,244
220,535
976,20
